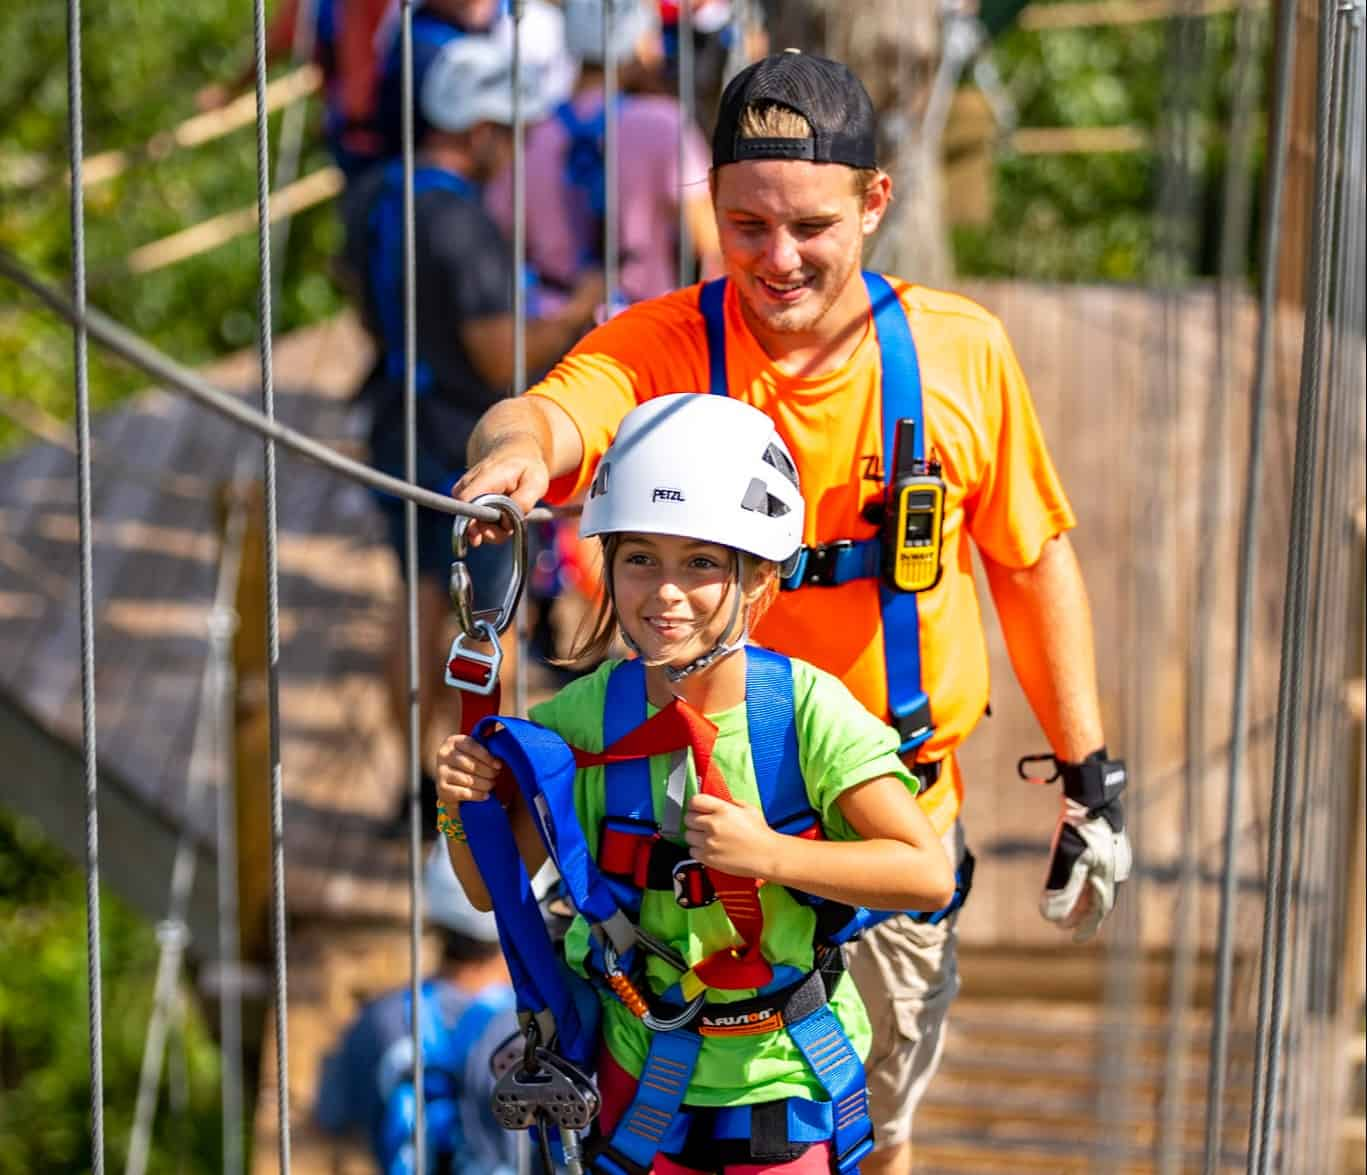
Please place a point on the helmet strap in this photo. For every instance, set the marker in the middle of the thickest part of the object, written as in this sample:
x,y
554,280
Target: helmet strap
x,y
723,648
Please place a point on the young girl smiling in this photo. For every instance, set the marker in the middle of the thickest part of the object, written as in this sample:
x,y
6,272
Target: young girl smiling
x,y
697,506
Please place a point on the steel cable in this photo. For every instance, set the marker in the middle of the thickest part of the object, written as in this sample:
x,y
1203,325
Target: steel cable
x,y
410,561
687,94
612,263
173,376
76,147
520,314
173,933
1278,137
1188,38
1282,811
277,818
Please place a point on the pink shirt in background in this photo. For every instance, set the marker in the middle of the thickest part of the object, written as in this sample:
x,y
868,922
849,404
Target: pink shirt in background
x,y
559,223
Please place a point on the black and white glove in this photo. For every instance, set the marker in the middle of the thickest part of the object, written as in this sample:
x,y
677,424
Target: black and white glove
x,y
1090,854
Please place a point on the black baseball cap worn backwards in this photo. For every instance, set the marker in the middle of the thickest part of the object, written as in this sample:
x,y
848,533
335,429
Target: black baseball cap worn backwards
x,y
825,92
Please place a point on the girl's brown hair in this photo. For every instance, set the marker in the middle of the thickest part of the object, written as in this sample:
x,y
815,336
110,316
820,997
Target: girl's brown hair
x,y
593,642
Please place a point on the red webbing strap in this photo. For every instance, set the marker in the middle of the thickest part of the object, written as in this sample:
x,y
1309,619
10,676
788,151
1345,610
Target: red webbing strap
x,y
474,706
677,726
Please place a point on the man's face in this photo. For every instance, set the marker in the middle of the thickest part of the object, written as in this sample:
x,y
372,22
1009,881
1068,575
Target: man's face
x,y
792,236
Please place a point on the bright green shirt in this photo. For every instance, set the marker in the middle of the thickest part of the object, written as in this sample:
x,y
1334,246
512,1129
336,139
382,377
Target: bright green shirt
x,y
840,745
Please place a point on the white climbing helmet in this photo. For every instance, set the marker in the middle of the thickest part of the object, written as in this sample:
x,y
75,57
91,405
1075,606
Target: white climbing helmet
x,y
447,905
471,81
631,21
703,467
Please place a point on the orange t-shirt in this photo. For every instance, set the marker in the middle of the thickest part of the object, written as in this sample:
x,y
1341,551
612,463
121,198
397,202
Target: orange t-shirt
x,y
1001,487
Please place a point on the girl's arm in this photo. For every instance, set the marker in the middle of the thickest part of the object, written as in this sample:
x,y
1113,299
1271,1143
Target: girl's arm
x,y
899,865
467,772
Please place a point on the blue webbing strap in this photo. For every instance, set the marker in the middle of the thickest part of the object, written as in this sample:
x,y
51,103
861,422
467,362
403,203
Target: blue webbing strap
x,y
837,1066
652,1122
626,794
541,980
901,396
712,301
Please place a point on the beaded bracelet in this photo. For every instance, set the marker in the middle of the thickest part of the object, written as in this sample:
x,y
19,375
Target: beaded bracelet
x,y
448,825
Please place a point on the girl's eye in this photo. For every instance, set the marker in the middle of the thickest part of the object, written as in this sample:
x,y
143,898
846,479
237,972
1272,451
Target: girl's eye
x,y
703,563
636,559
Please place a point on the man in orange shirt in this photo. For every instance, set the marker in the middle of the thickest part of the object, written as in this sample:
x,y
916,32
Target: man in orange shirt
x,y
798,331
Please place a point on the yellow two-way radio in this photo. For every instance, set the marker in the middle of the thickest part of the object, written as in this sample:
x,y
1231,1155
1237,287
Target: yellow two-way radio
x,y
913,517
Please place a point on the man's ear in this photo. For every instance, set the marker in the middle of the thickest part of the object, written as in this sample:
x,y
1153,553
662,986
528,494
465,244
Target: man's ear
x,y
877,199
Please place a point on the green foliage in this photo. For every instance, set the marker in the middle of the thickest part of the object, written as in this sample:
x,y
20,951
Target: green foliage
x,y
1092,217
142,66
44,1031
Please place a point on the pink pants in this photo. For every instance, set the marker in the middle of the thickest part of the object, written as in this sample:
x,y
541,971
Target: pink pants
x,y
617,1087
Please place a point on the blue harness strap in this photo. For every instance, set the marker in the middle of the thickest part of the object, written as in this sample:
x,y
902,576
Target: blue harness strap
x,y
386,258
850,559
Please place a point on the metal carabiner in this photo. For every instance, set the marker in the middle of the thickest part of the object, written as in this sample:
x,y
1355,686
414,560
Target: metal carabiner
x,y
462,587
638,1005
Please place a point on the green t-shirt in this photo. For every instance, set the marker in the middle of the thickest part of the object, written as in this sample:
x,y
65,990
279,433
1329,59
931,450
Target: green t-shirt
x,y
840,745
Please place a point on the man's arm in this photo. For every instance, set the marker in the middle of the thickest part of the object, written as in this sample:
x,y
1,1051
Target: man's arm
x,y
1047,623
517,447
489,340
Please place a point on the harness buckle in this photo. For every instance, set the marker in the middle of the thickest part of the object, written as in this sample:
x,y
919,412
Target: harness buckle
x,y
817,567
693,889
472,669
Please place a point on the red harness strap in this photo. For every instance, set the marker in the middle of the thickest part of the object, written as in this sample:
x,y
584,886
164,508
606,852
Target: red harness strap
x,y
677,726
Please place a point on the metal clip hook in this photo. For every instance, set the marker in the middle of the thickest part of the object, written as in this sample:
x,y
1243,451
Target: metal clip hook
x,y
461,586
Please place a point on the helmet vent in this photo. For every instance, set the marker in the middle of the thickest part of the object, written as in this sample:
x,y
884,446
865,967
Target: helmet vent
x,y
780,460
600,480
761,501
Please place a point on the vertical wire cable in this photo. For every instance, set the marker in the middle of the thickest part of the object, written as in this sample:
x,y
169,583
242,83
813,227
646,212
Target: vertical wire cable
x,y
1272,981
687,93
410,524
265,328
1234,235
1278,137
173,932
1187,32
1318,1085
1306,1015
611,147
76,149
520,315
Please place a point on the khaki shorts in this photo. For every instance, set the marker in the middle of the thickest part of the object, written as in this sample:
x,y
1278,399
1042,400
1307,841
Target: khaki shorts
x,y
908,975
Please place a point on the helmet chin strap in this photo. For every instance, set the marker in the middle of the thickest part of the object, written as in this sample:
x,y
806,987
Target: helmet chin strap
x,y
723,648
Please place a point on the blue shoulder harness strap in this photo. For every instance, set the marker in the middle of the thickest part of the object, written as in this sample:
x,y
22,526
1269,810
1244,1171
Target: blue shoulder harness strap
x,y
386,257
846,560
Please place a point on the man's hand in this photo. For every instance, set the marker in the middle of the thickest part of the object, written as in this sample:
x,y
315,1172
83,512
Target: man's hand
x,y
514,466
733,838
1089,858
1090,853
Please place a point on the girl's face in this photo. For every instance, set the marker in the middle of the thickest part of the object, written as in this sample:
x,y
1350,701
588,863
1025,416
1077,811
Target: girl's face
x,y
673,595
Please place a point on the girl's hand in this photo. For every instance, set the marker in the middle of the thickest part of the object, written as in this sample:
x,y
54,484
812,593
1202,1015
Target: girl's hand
x,y
465,771
734,838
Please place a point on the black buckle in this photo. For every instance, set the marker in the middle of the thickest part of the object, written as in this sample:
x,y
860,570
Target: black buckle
x,y
816,566
692,887
915,726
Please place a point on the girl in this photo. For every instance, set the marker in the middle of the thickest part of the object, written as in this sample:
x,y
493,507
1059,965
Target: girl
x,y
696,505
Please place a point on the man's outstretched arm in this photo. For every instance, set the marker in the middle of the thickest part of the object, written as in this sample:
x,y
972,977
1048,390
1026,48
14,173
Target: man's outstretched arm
x,y
516,449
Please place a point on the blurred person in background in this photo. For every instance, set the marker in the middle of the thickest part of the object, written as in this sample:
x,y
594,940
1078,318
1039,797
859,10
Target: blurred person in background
x,y
565,160
464,333
343,38
436,23
466,1010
